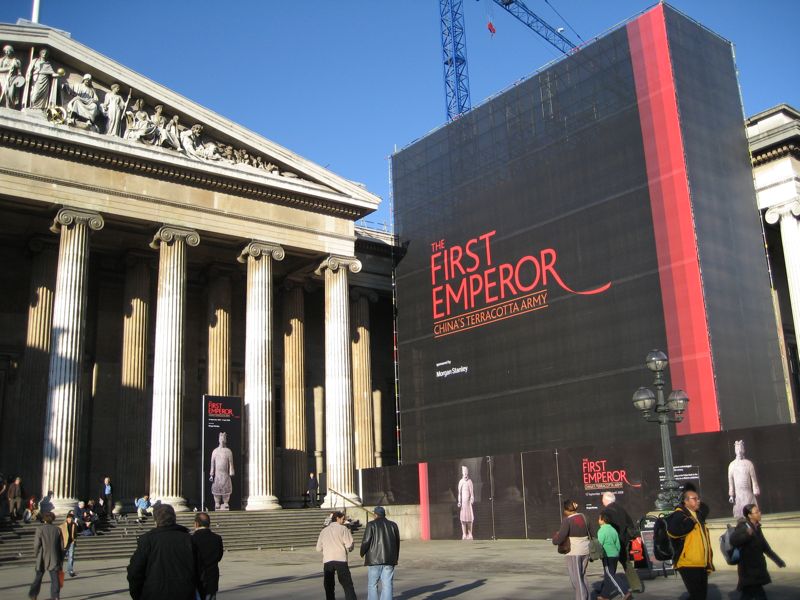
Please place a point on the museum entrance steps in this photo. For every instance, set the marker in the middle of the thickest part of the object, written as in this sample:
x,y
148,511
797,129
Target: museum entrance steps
x,y
240,530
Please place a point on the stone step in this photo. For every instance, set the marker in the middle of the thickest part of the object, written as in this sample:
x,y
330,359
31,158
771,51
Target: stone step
x,y
240,531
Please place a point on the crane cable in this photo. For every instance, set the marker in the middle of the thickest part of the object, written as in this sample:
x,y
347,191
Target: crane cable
x,y
553,8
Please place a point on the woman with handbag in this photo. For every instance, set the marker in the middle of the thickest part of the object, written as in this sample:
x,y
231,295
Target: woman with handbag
x,y
572,540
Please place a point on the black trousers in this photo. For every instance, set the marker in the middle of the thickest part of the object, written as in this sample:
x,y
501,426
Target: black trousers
x,y
753,592
345,580
37,584
696,581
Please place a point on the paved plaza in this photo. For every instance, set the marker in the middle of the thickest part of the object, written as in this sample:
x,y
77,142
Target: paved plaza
x,y
480,570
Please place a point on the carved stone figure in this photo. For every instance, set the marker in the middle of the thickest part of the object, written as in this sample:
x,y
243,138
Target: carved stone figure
x,y
84,104
742,483
466,497
11,79
168,134
113,108
196,148
40,80
221,472
139,126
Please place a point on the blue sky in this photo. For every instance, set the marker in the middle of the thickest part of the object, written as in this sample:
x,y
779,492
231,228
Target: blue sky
x,y
345,82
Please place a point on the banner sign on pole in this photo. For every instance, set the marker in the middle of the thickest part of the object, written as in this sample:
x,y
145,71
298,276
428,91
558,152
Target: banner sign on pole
x,y
222,452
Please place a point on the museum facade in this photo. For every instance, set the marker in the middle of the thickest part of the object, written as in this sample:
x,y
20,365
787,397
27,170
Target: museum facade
x,y
153,253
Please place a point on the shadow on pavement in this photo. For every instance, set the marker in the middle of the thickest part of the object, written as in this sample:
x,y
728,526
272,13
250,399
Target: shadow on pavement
x,y
457,591
418,591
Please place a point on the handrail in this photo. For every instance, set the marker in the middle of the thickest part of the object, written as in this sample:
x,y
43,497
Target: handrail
x,y
351,501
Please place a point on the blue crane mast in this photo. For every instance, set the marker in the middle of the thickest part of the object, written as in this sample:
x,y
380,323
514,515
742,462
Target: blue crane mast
x,y
454,57
454,47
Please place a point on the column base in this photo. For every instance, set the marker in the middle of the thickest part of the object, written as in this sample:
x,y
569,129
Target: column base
x,y
263,503
337,502
59,506
176,502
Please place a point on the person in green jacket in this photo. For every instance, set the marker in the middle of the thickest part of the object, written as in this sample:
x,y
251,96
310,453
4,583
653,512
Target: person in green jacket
x,y
609,539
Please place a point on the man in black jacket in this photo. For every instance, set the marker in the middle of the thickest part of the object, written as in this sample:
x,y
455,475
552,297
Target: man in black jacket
x,y
380,549
163,567
208,547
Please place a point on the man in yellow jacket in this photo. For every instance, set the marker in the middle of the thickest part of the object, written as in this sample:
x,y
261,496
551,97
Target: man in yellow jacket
x,y
693,556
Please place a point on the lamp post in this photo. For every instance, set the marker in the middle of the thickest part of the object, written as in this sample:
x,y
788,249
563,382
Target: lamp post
x,y
655,409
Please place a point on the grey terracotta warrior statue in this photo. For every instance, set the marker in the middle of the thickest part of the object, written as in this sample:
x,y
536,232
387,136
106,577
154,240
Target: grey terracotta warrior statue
x,y
221,472
742,483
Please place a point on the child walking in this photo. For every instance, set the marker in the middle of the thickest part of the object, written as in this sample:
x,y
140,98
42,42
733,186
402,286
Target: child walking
x,y
609,538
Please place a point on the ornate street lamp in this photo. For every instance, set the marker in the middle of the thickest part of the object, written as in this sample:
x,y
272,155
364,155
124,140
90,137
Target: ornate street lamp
x,y
666,411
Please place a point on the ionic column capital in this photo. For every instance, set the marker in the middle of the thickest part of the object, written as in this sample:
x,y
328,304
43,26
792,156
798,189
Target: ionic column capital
x,y
334,262
69,217
169,234
775,213
258,249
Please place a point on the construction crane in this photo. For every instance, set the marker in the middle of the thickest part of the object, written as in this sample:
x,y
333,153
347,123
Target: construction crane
x,y
454,47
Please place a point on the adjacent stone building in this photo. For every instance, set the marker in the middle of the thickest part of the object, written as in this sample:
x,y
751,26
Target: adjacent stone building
x,y
774,138
153,252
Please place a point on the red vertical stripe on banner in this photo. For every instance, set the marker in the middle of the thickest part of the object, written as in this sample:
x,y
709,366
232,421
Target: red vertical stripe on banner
x,y
688,343
424,503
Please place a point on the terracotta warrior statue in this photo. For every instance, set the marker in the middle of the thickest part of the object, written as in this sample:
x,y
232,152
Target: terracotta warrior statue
x,y
742,482
221,472
466,497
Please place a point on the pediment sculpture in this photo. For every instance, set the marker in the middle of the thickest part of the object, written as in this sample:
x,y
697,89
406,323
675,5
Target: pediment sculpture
x,y
49,90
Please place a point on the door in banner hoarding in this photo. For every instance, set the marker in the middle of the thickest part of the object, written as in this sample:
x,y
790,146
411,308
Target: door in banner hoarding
x,y
222,453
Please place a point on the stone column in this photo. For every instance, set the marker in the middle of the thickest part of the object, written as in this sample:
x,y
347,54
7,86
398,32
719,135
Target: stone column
x,y
28,419
219,332
295,445
166,438
319,429
131,475
338,383
377,416
362,379
259,389
787,214
68,341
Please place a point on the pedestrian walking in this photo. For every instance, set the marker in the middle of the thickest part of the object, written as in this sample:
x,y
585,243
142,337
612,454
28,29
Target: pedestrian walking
x,y
335,541
164,565
49,552
609,538
69,537
573,540
312,487
627,531
381,550
106,496
208,548
691,542
14,494
752,544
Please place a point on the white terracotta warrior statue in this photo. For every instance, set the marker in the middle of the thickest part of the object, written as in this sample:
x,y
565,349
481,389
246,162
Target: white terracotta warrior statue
x,y
466,497
221,472
742,482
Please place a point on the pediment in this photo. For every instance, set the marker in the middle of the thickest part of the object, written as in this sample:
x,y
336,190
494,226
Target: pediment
x,y
77,96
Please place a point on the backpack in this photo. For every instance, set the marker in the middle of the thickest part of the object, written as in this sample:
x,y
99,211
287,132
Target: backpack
x,y
731,554
662,543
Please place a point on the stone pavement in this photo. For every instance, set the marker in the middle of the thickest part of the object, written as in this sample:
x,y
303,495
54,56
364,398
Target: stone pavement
x,y
479,570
